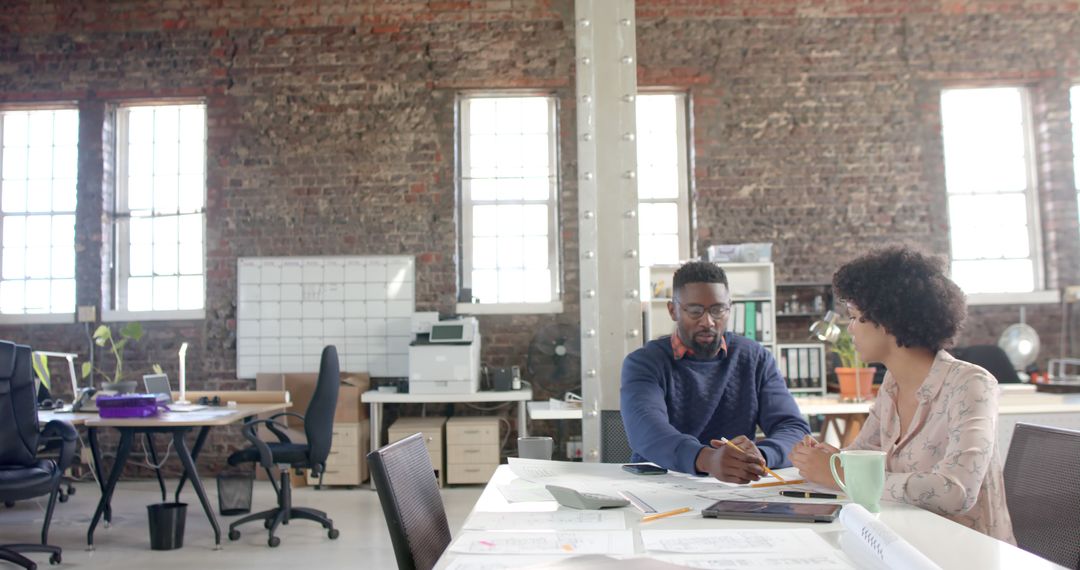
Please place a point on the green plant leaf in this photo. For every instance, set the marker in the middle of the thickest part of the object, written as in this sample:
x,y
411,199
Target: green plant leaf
x,y
132,330
102,332
157,369
121,344
86,368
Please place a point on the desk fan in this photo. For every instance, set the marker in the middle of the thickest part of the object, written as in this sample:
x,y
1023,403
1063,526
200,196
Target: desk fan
x,y
554,350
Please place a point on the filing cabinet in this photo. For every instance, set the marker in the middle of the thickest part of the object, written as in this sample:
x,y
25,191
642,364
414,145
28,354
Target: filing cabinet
x,y
431,429
347,462
472,449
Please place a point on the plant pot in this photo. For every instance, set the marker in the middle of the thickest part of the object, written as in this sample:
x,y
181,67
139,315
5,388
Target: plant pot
x,y
856,384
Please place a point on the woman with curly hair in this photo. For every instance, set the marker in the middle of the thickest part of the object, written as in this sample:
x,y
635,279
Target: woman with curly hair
x,y
935,417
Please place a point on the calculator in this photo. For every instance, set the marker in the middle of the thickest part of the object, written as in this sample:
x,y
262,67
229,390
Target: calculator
x,y
574,499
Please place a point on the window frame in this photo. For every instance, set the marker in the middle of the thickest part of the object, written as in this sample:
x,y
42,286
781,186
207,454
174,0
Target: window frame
x,y
462,108
1039,293
116,307
45,318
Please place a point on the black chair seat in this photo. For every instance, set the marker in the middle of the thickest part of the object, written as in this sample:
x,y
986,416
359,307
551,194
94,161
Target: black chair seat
x,y
27,482
295,454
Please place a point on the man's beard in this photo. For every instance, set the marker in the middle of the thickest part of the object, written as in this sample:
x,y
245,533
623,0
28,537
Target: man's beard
x,y
704,349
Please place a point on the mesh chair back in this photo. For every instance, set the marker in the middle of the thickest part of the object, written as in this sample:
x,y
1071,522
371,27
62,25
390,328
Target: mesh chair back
x,y
319,417
992,358
409,494
614,445
1043,492
18,407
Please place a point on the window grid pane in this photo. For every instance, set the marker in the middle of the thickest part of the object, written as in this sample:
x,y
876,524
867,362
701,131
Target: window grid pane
x,y
509,180
37,210
165,196
988,181
1074,104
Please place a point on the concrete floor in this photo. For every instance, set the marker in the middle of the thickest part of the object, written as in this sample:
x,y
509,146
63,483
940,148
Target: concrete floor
x,y
364,540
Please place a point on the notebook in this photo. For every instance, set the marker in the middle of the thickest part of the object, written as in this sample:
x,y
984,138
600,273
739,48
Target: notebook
x,y
158,384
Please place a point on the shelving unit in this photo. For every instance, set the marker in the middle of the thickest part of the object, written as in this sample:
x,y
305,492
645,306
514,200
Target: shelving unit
x,y
753,297
803,367
798,305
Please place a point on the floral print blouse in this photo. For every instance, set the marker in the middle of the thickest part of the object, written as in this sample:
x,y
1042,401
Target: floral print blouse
x,y
948,461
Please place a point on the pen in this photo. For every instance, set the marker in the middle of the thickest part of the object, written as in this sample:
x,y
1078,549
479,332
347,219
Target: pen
x,y
778,483
808,495
653,517
726,441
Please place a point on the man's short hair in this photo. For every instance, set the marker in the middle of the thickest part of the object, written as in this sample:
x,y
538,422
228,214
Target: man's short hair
x,y
698,272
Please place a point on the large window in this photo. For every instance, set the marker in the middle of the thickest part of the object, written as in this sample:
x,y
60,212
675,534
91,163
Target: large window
x,y
1074,102
161,195
37,211
663,215
509,184
993,222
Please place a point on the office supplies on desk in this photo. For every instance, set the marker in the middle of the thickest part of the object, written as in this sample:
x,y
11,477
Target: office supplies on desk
x,y
157,385
183,375
644,469
701,541
777,483
671,513
447,359
127,406
545,542
764,510
728,443
884,544
808,495
555,520
574,499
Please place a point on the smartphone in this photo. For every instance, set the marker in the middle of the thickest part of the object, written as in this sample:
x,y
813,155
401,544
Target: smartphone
x,y
764,510
644,469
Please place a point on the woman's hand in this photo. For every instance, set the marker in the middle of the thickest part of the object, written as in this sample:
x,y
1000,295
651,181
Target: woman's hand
x,y
812,459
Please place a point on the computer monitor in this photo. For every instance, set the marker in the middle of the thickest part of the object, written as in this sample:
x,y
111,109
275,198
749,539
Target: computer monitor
x,y
158,384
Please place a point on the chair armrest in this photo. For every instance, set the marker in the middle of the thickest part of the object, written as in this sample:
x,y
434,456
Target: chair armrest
x,y
64,433
266,457
282,437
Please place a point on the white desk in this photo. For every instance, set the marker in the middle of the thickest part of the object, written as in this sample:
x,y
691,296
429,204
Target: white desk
x,y
376,399
946,543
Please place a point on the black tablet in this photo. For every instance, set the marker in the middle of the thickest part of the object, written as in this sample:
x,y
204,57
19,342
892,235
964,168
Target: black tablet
x,y
763,510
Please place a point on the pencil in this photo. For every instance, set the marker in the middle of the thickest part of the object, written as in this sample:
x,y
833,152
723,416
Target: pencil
x,y
778,483
765,467
653,517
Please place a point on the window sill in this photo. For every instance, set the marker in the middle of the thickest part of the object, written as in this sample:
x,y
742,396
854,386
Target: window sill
x,y
41,319
553,307
1029,298
122,316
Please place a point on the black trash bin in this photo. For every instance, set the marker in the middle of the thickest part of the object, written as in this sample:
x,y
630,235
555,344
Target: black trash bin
x,y
234,493
167,525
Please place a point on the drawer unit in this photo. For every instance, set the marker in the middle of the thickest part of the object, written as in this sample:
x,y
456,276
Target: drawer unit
x,y
347,462
472,449
431,429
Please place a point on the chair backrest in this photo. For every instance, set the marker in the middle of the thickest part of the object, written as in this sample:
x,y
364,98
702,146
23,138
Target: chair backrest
x,y
18,406
319,417
1042,488
409,494
992,358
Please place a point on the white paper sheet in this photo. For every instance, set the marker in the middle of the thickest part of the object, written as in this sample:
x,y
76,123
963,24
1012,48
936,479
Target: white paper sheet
x,y
481,562
520,491
886,546
554,520
796,541
759,561
540,542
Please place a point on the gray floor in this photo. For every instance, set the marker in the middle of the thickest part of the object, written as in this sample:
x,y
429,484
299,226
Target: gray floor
x,y
364,541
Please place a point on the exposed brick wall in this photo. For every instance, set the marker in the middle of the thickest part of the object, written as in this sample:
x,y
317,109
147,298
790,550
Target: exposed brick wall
x,y
330,131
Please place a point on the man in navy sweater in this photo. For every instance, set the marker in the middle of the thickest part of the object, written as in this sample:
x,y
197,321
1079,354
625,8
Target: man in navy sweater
x,y
681,393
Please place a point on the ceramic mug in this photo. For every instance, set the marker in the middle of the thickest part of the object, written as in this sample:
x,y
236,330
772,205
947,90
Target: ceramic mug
x,y
864,476
535,447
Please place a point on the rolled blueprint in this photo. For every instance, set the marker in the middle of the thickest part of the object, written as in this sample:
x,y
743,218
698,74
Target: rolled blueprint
x,y
884,544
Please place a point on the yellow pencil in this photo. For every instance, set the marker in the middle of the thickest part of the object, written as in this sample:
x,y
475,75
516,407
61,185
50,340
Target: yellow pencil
x,y
726,441
777,483
655,516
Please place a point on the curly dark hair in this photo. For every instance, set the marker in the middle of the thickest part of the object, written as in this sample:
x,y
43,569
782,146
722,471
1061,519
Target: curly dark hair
x,y
906,292
698,272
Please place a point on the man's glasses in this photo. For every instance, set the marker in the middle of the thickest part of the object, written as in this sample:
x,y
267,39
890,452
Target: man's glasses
x,y
717,311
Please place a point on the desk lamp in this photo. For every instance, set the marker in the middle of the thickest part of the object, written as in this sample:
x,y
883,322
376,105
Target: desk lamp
x,y
827,329
183,375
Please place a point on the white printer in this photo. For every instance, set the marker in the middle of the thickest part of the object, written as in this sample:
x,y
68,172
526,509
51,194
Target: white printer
x,y
447,359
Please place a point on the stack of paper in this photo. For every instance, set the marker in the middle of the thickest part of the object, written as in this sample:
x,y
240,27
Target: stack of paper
x,y
761,549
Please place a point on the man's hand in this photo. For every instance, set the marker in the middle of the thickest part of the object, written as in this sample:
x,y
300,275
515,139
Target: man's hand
x,y
812,459
730,465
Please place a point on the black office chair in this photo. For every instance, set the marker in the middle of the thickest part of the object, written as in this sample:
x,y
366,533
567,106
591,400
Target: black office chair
x,y
992,358
409,494
318,427
1042,490
22,474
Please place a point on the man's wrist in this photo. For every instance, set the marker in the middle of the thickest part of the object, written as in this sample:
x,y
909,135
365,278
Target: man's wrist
x,y
701,462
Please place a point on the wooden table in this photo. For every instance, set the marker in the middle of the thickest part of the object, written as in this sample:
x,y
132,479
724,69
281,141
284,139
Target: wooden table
x,y
177,424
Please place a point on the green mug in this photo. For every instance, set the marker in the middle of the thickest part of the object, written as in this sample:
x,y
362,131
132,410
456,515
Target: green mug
x,y
864,473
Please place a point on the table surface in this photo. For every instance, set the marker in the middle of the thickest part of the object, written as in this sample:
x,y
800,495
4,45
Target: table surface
x,y
211,416
963,549
377,397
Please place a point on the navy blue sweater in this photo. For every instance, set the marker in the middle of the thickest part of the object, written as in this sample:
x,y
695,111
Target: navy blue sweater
x,y
672,408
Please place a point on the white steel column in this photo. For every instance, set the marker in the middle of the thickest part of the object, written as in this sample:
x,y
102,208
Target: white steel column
x,y
606,72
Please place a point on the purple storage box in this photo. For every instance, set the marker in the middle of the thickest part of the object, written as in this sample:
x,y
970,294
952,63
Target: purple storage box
x,y
127,406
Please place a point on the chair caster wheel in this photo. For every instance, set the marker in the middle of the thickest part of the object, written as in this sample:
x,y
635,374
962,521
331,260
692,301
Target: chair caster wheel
x,y
55,558
9,504
333,534
274,542
266,523
71,490
234,534
63,498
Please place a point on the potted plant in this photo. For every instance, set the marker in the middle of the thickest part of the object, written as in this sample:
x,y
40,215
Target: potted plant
x,y
103,337
856,379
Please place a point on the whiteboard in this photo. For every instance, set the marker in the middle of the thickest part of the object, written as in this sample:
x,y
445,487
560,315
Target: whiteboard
x,y
289,308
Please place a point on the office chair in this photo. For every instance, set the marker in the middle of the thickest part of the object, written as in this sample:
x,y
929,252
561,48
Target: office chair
x,y
318,427
23,475
992,358
1043,492
409,494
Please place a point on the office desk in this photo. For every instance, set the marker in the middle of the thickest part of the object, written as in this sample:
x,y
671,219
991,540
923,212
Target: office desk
x,y
947,543
177,424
